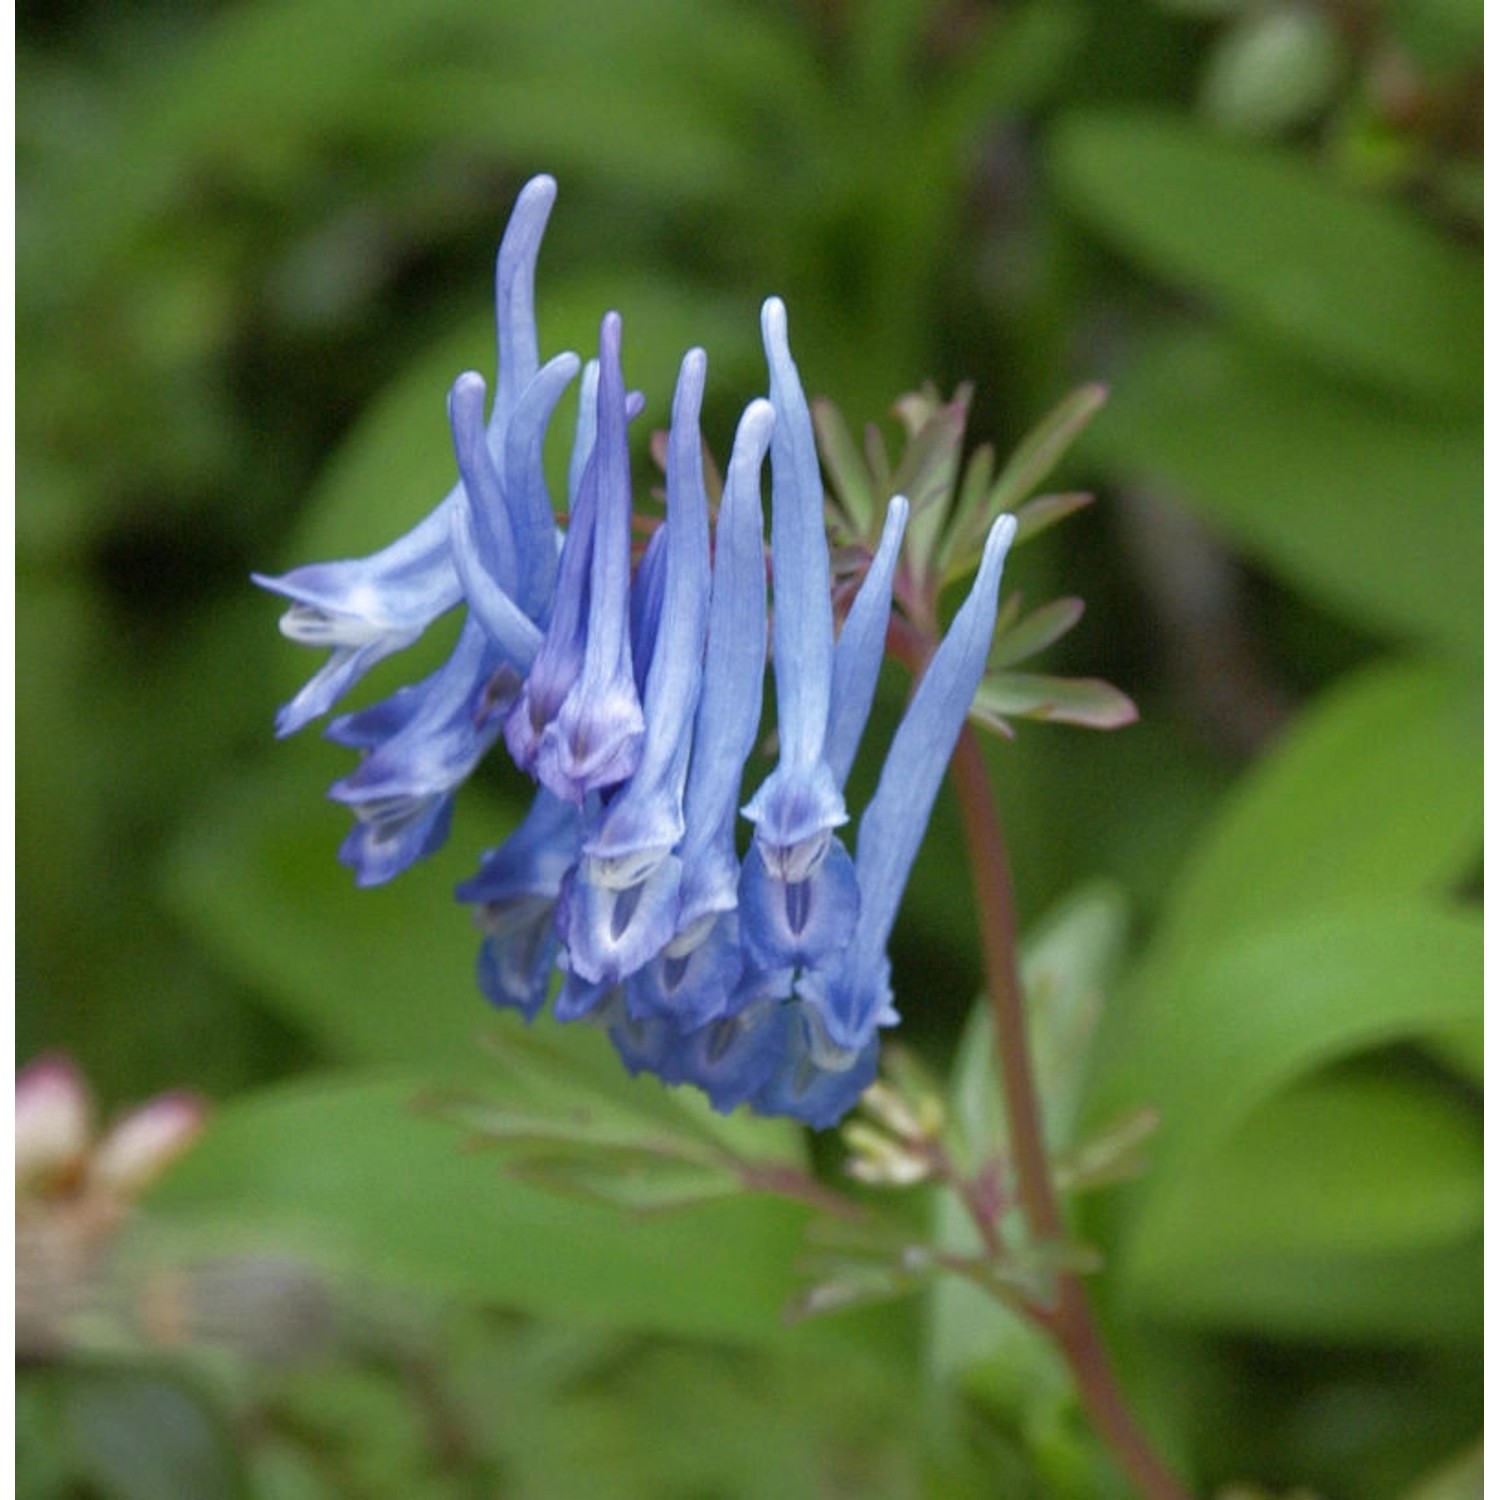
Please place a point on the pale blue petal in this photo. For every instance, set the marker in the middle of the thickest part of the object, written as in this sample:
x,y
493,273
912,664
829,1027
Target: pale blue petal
x,y
692,982
646,596
803,649
861,648
733,679
613,930
853,995
792,924
528,500
803,1089
515,276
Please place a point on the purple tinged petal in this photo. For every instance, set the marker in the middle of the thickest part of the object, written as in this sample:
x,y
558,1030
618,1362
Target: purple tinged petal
x,y
693,983
646,596
584,432
645,821
493,535
516,638
581,998
533,860
559,660
595,739
731,1059
861,648
392,834
401,790
515,895
518,955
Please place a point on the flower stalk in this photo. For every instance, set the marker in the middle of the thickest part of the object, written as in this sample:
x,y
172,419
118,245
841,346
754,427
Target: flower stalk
x,y
1069,1319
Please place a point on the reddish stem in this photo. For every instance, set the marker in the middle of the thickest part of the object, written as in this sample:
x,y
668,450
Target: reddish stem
x,y
1069,1319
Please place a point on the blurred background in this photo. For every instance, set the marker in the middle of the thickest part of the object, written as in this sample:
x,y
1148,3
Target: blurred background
x,y
255,245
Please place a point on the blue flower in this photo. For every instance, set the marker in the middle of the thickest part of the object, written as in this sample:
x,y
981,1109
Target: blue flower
x,y
577,724
366,609
749,963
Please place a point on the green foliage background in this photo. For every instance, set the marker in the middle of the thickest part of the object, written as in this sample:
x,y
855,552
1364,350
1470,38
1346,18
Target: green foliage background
x,y
254,247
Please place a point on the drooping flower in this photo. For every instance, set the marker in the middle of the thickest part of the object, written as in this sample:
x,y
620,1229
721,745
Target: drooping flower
x,y
366,609
749,962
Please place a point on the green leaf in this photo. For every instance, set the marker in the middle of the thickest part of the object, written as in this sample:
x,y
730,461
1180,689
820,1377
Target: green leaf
x,y
1336,1165
1374,790
1040,629
1367,508
846,467
1212,1042
1086,701
144,1436
1360,284
346,1169
1035,457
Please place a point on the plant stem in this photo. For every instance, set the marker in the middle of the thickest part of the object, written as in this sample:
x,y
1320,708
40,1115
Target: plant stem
x,y
1069,1319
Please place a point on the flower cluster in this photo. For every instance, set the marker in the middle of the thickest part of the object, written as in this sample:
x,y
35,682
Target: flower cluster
x,y
631,694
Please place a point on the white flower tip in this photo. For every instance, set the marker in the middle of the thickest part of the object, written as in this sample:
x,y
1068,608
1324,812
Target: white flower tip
x,y
1002,534
773,324
466,398
756,423
140,1147
540,189
52,1118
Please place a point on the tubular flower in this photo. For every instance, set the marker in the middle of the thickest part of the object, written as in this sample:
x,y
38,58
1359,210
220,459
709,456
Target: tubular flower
x,y
748,960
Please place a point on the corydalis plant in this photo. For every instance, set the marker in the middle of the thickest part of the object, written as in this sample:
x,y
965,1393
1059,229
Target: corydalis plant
x,y
748,959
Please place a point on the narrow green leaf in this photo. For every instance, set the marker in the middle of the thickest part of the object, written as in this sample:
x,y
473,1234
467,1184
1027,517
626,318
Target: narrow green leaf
x,y
1361,284
1087,701
845,467
1040,629
1047,510
1032,461
1043,447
